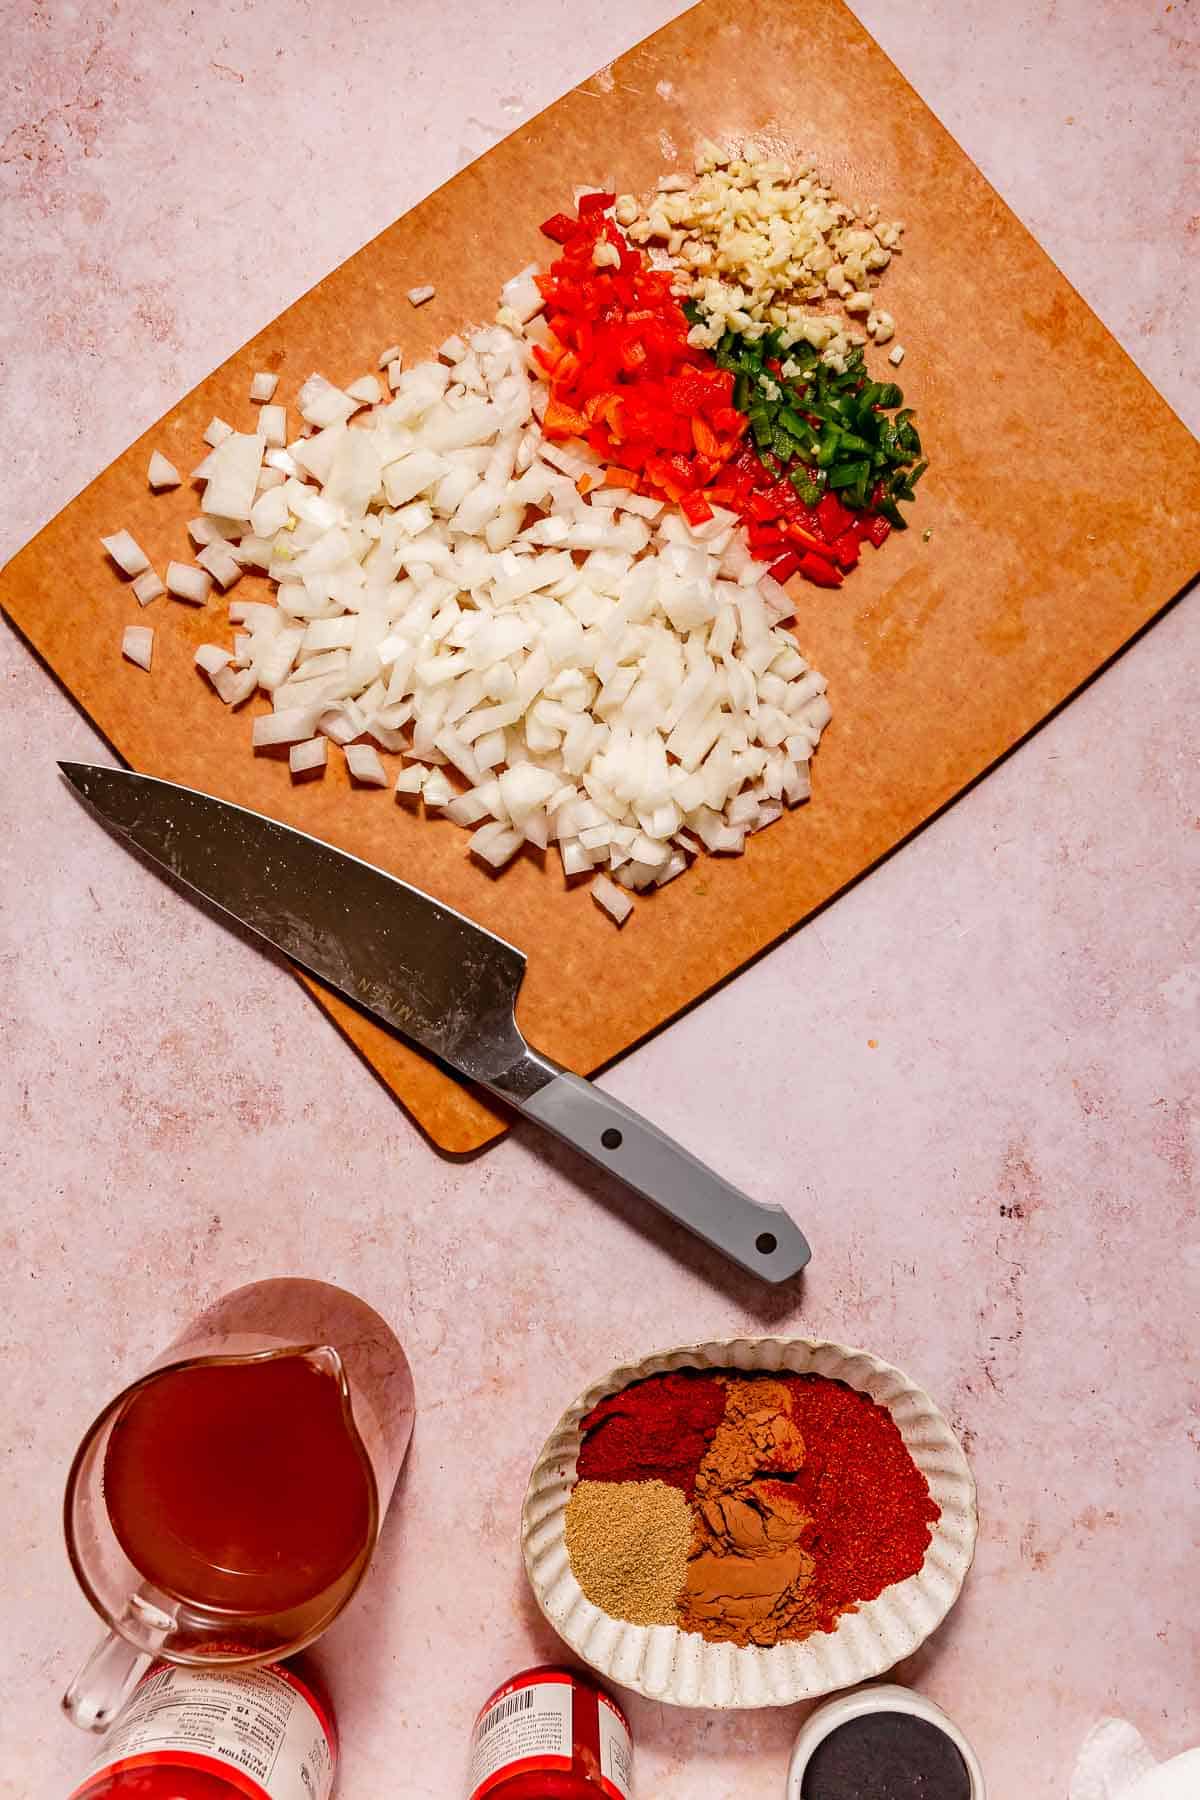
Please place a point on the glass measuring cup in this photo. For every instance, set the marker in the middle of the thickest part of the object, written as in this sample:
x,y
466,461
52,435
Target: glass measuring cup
x,y
224,1507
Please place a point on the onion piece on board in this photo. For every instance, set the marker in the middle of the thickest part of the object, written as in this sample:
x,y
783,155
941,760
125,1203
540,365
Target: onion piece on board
x,y
137,645
126,552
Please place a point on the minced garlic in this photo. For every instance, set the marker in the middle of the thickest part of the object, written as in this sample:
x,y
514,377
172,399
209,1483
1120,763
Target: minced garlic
x,y
756,243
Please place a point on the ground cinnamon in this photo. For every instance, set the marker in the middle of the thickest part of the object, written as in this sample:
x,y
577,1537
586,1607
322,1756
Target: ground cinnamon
x,y
749,1575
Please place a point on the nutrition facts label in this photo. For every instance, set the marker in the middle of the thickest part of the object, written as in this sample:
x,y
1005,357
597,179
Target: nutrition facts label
x,y
616,1749
529,1726
255,1722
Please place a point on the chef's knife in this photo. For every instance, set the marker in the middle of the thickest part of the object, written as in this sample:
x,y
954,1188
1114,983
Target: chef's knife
x,y
431,974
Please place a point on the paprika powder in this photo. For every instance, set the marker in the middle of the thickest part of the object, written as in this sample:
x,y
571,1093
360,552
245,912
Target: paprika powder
x,y
654,1430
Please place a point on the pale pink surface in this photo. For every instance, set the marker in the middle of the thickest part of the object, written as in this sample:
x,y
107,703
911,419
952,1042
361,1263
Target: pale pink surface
x,y
972,1079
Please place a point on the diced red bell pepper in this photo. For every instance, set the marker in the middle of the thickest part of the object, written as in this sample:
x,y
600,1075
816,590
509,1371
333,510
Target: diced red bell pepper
x,y
622,374
832,517
785,568
695,509
762,507
807,540
878,528
783,494
727,490
817,570
805,517
766,537
729,422
561,227
845,548
561,420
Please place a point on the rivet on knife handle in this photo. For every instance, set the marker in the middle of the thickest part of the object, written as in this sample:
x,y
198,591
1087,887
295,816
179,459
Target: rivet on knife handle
x,y
761,1239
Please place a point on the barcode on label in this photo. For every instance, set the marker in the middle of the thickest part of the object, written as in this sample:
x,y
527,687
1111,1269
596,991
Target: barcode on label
x,y
504,1710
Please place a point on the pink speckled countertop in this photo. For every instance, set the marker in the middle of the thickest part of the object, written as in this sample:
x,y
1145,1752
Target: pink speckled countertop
x,y
972,1079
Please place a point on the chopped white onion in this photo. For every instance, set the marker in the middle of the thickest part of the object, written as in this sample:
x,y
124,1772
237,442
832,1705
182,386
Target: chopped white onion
x,y
263,385
270,512
419,295
220,562
216,431
272,423
391,355
366,390
126,552
184,582
365,766
211,658
292,726
233,475
137,645
322,404
495,844
147,587
410,780
437,791
161,473
606,894
234,685
521,295
557,668
312,754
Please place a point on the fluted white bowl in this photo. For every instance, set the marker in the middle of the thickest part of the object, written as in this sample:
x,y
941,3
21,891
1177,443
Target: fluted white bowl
x,y
679,1667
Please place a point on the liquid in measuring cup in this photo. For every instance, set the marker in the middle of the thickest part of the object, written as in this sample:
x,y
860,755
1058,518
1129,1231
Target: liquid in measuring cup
x,y
223,1507
237,1488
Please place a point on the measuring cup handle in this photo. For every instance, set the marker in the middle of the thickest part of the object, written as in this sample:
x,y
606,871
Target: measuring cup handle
x,y
104,1683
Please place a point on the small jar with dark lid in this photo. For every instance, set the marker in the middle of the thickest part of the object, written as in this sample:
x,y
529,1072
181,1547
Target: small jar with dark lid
x,y
883,1743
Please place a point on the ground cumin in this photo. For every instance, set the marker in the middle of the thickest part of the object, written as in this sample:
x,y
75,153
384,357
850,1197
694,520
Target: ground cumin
x,y
628,1545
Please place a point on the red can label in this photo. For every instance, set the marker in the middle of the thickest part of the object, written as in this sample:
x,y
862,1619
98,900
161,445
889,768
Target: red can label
x,y
262,1731
531,1725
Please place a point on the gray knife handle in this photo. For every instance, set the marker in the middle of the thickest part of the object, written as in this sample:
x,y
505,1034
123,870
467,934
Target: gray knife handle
x,y
762,1239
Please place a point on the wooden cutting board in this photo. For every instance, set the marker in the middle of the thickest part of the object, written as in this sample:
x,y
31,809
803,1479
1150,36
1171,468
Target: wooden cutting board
x,y
1063,507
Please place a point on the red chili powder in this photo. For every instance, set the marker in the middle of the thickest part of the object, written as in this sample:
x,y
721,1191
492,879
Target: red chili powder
x,y
656,1430
870,1505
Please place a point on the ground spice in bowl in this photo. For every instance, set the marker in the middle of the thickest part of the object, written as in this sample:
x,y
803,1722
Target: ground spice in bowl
x,y
748,1573
655,1430
799,1498
628,1544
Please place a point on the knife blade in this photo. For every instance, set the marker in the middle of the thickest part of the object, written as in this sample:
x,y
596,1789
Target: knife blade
x,y
431,974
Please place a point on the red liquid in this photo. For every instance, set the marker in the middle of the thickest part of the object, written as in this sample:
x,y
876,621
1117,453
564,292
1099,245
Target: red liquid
x,y
240,1488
